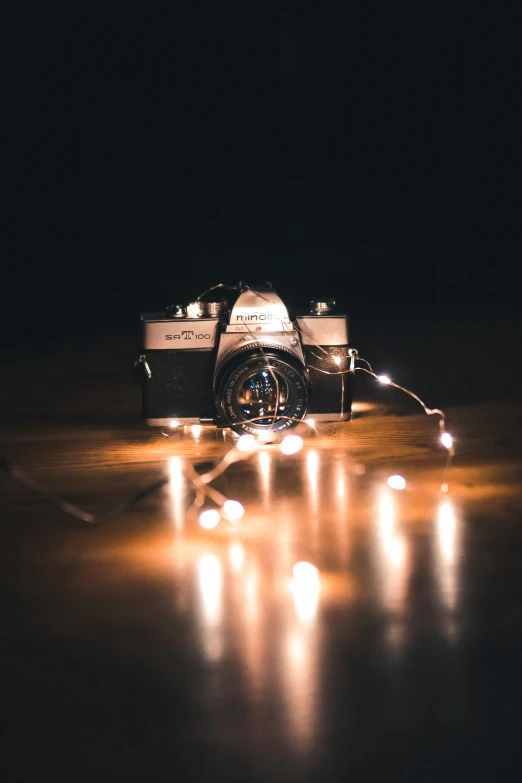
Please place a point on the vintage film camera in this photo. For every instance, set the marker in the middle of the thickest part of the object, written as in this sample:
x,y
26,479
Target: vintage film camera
x,y
249,366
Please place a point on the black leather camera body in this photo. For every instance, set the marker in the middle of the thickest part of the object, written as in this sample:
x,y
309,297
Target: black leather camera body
x,y
248,366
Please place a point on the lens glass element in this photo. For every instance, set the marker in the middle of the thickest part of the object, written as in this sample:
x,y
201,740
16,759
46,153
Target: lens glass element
x,y
258,391
261,395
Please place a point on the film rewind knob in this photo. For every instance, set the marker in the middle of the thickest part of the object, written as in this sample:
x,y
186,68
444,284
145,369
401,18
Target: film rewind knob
x,y
175,311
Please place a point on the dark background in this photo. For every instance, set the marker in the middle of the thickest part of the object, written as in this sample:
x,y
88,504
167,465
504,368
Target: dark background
x,y
370,154
373,154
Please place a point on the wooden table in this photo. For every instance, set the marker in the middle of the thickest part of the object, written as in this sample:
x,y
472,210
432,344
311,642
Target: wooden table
x,y
151,649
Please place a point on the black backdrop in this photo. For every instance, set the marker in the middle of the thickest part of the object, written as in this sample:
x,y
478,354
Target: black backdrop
x,y
361,153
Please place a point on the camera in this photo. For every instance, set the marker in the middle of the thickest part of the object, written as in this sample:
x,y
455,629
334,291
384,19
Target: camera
x,y
247,364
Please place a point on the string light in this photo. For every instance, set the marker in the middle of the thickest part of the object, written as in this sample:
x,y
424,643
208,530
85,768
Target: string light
x,y
246,443
233,509
245,446
397,482
209,518
305,572
446,440
291,444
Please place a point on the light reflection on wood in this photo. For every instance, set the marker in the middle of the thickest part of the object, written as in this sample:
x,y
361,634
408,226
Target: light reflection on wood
x,y
448,553
228,588
391,557
342,494
177,490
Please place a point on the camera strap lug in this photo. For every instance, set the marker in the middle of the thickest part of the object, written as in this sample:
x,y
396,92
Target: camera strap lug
x,y
353,353
144,363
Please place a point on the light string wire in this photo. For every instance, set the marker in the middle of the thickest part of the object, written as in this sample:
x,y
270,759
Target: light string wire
x,y
71,509
202,482
215,287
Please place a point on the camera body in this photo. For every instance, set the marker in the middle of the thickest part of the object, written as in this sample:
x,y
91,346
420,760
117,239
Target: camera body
x,y
248,366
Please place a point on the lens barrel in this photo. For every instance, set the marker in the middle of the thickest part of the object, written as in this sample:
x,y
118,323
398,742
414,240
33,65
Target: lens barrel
x,y
260,391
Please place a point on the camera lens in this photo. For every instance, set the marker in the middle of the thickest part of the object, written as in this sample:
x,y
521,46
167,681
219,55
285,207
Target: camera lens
x,y
262,395
261,391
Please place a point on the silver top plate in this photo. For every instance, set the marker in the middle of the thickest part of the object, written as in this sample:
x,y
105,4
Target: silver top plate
x,y
259,312
174,334
323,330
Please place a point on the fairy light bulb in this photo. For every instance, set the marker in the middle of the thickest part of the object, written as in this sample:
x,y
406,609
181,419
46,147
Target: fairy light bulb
x,y
337,360
305,572
446,440
174,423
311,422
209,518
383,379
233,509
397,482
291,444
246,443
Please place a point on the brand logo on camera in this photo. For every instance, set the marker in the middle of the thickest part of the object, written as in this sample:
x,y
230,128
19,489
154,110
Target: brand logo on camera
x,y
187,334
265,316
272,316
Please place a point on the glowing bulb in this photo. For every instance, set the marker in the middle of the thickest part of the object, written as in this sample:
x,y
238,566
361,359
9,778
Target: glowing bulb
x,y
446,440
246,443
209,518
397,482
291,444
383,379
233,509
174,423
305,572
337,360
310,422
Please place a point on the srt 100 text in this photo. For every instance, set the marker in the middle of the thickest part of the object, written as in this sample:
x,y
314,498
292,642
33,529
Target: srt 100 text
x,y
187,335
